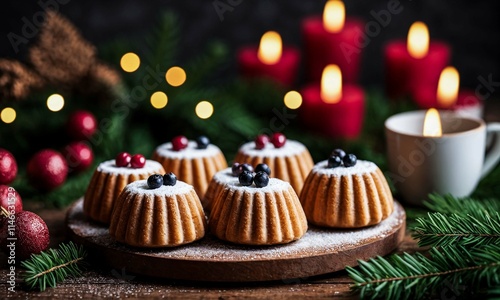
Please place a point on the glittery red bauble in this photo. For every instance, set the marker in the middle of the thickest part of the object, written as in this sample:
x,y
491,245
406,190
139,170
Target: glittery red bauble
x,y
79,156
31,232
81,125
47,169
10,199
8,167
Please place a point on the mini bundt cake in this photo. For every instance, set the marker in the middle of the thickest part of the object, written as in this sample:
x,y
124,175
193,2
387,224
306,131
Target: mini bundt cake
x,y
254,215
346,194
152,217
217,184
289,160
106,184
192,163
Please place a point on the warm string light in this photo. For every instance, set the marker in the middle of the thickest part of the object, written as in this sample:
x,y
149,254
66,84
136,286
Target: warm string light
x,y
159,100
418,40
293,100
204,110
448,86
55,102
130,62
175,76
432,123
8,115
270,48
334,16
331,84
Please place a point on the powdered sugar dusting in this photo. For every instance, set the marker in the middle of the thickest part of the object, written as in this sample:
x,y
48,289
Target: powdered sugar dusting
x,y
165,150
361,167
141,187
109,167
225,176
316,241
275,185
290,148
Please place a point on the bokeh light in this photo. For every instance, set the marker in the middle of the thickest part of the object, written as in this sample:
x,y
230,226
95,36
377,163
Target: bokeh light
x,y
55,102
175,76
8,115
204,110
130,62
293,100
159,100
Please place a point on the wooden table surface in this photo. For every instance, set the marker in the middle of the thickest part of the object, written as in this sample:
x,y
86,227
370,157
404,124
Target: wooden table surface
x,y
101,281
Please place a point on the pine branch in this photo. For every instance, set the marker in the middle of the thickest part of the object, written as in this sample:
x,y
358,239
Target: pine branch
x,y
447,204
416,276
53,266
443,230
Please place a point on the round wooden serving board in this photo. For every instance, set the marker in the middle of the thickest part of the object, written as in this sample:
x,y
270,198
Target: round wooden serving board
x,y
319,251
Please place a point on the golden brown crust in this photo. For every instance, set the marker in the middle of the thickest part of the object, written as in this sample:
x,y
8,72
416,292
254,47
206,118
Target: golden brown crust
x,y
349,201
257,218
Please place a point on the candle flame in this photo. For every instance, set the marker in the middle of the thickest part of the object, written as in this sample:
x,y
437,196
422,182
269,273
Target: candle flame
x,y
334,16
270,48
448,85
331,84
432,123
418,40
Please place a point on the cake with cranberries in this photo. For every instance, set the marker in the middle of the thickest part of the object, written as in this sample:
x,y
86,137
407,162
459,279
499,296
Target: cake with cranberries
x,y
343,192
158,212
194,162
109,179
290,160
257,210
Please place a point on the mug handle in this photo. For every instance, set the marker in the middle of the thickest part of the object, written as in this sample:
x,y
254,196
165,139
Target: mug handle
x,y
493,154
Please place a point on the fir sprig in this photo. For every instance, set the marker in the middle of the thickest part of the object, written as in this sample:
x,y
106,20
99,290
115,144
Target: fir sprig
x,y
416,276
447,204
442,230
53,266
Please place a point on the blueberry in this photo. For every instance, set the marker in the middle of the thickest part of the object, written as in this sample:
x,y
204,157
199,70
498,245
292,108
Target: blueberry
x,y
334,161
202,142
169,179
263,168
350,160
245,167
338,152
155,181
261,179
245,178
235,169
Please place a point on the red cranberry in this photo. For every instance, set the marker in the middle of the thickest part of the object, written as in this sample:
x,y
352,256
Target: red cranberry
x,y
179,142
138,161
260,141
122,159
278,140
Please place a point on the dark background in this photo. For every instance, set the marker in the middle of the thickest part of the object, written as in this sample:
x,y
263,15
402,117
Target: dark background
x,y
471,27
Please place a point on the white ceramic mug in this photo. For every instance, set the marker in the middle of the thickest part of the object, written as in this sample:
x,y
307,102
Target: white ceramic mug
x,y
453,163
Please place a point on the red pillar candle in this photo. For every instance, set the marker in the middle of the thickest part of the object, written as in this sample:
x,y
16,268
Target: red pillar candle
x,y
415,64
333,109
270,60
448,96
331,40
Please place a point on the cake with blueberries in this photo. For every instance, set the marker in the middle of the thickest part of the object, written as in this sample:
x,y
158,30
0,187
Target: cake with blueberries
x,y
109,179
222,178
343,192
158,212
194,162
290,160
257,210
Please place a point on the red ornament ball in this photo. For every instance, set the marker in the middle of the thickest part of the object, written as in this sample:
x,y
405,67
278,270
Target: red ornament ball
x,y
79,156
122,159
260,141
8,167
179,142
31,232
10,199
81,125
138,161
278,140
47,169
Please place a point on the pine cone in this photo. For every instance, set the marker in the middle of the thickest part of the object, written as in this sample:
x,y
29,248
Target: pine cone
x,y
61,55
17,80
